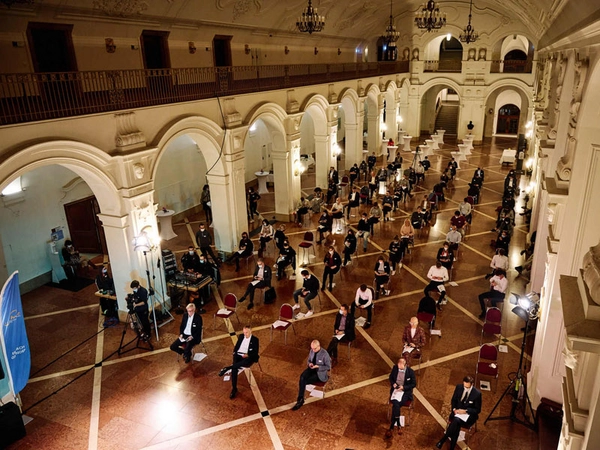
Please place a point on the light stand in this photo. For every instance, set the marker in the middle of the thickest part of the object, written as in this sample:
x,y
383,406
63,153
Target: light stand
x,y
517,388
161,300
151,293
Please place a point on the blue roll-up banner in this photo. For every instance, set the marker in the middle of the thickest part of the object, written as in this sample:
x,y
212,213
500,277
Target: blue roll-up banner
x,y
14,334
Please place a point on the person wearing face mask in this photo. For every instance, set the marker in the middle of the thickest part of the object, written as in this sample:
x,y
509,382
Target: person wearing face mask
x,y
190,260
73,260
446,256
349,247
280,237
261,279
140,304
363,300
382,276
106,285
287,256
266,234
245,249
333,262
253,198
308,291
396,250
204,241
343,331
206,269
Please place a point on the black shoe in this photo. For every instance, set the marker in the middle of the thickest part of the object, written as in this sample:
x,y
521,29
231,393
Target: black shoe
x,y
223,371
250,306
482,315
298,405
519,269
488,276
441,442
367,325
242,299
233,393
187,359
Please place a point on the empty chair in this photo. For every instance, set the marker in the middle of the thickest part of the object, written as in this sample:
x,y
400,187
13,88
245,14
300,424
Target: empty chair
x,y
492,324
427,318
487,362
230,303
286,315
308,242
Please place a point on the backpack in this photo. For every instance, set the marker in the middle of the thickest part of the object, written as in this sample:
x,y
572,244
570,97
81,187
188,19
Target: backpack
x,y
270,296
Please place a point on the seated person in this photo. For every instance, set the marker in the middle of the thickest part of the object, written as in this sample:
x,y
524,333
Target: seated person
x,y
427,305
374,216
438,190
446,256
453,238
318,364
364,230
499,261
316,204
417,219
344,327
287,257
266,234
353,201
301,210
308,291
206,269
337,213
190,260
502,223
402,381
349,247
106,285
354,171
498,285
245,249
426,163
438,274
479,175
280,237
503,241
458,221
72,260
371,161
245,353
363,300
261,279
466,209
364,195
413,339
473,192
382,276
364,169
325,224
331,191
190,333
388,204
333,263
419,174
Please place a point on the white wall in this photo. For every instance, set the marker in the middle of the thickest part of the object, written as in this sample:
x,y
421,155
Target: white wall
x,y
307,131
25,226
256,156
180,175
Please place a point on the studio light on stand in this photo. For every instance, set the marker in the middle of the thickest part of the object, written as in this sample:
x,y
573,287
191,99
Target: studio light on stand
x,y
527,308
145,244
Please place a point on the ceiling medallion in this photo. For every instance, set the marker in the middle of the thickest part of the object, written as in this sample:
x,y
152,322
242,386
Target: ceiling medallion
x,y
120,8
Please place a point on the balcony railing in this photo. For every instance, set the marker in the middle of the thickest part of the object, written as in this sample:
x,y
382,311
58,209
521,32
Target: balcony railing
x,y
31,97
512,66
444,65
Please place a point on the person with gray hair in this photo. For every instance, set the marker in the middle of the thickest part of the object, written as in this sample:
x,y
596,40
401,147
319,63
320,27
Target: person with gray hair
x,y
319,363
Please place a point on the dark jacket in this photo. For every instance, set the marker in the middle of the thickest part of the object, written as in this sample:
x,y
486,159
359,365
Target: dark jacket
x,y
386,267
203,238
410,382
333,260
363,225
248,246
252,348
196,327
450,256
190,261
266,273
350,243
141,296
311,284
105,283
349,334
472,403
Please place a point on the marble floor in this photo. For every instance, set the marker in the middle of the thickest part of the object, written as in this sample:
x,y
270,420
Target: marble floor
x,y
91,397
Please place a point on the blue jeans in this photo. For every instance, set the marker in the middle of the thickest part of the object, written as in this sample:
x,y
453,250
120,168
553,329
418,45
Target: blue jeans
x,y
307,299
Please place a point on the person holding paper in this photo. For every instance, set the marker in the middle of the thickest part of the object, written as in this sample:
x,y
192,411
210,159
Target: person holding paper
x,y
402,382
438,274
287,256
262,278
382,273
466,406
363,300
498,286
318,364
245,353
343,331
190,333
245,249
413,339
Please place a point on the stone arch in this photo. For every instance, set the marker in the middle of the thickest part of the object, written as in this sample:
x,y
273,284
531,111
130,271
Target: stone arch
x,y
317,108
426,121
489,103
353,123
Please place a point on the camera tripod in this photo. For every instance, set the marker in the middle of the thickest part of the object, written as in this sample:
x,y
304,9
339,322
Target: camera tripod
x,y
417,159
517,390
133,321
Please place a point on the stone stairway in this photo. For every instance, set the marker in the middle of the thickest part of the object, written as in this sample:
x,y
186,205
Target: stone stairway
x,y
447,118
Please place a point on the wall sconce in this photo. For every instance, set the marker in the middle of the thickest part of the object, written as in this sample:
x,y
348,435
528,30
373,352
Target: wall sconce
x,y
192,47
13,193
336,150
247,49
316,50
286,50
110,45
298,168
339,51
399,118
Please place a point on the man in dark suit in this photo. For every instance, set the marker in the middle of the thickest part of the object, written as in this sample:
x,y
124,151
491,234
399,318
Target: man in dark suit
x,y
344,327
402,380
245,353
465,400
190,333
262,278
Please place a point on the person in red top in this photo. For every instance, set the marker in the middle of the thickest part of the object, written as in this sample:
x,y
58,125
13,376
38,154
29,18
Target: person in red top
x,y
458,221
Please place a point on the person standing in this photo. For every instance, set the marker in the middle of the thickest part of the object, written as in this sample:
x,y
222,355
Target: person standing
x,y
343,331
204,241
319,363
253,198
106,285
245,353
206,204
309,290
402,382
466,400
140,306
190,333
333,262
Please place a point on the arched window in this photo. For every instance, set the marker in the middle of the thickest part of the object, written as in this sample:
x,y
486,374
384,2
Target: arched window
x,y
508,119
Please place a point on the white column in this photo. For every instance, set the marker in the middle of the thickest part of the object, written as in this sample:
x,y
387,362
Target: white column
x,y
229,190
374,133
390,120
322,160
285,185
353,150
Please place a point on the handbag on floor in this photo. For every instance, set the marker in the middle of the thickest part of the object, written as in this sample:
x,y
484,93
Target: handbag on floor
x,y
11,424
270,296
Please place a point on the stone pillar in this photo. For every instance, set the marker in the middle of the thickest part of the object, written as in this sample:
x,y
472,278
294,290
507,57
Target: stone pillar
x,y
284,182
322,160
374,135
390,120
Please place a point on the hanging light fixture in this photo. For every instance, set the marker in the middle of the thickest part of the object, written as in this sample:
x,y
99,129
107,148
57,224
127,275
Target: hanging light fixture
x,y
310,22
469,34
429,17
391,35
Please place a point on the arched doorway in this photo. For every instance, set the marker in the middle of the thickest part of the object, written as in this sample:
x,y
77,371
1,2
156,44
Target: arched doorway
x,y
451,51
508,119
439,110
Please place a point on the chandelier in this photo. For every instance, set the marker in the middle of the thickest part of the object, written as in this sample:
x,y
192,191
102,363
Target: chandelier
x,y
429,17
391,35
469,34
310,21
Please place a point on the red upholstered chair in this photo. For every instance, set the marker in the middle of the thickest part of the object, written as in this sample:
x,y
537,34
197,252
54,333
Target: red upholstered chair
x,y
230,303
487,362
286,315
492,324
427,318
308,242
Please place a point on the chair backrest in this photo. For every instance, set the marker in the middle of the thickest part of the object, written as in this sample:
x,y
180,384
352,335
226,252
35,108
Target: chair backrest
x,y
308,236
493,315
425,317
372,291
286,312
345,179
230,301
489,352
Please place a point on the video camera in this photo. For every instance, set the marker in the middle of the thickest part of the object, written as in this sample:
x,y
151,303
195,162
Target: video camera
x,y
130,299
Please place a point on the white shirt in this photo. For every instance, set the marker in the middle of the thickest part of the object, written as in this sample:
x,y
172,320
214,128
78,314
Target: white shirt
x,y
499,262
501,283
465,208
244,346
365,296
188,327
442,273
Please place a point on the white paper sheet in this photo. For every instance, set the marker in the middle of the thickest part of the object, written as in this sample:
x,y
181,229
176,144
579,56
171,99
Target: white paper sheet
x,y
407,349
397,395
463,417
279,323
338,336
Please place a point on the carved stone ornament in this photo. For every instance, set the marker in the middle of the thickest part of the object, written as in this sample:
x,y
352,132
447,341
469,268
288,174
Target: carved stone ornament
x,y
232,117
581,69
482,54
591,272
405,54
331,95
571,356
565,164
360,90
138,171
471,54
415,54
292,106
128,135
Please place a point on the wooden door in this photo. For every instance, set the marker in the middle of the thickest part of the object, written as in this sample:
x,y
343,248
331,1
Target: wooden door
x,y
51,47
84,226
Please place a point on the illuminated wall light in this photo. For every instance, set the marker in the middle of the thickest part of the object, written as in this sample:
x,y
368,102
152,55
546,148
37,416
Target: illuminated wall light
x,y
448,36
14,187
253,127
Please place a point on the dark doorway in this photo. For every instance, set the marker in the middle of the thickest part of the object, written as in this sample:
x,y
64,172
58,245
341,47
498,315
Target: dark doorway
x,y
450,55
508,119
51,47
515,61
155,49
84,226
222,51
